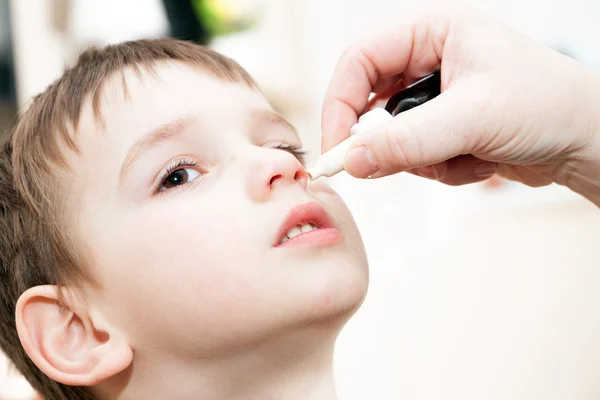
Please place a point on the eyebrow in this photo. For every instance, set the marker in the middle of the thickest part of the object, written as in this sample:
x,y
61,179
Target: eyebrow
x,y
177,127
270,116
152,139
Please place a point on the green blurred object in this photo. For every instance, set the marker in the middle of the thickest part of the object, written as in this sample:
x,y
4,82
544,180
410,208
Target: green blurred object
x,y
218,19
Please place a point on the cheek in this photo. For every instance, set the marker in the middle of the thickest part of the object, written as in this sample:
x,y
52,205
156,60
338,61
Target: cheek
x,y
166,263
178,269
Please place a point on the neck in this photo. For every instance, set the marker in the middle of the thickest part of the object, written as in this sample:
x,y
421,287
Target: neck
x,y
298,367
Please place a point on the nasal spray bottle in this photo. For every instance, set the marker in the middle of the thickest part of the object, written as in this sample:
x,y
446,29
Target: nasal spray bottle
x,y
332,161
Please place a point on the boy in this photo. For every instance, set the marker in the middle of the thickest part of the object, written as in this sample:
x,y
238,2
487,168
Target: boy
x,y
159,238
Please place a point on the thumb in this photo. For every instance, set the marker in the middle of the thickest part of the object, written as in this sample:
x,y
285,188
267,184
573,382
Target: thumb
x,y
434,132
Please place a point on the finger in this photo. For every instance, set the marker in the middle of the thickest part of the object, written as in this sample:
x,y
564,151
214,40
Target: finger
x,y
389,86
443,128
461,170
435,172
413,47
383,90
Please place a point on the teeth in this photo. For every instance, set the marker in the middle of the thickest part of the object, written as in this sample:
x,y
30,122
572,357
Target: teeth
x,y
298,230
306,228
295,231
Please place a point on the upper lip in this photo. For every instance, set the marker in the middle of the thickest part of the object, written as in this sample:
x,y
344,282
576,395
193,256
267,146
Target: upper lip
x,y
304,214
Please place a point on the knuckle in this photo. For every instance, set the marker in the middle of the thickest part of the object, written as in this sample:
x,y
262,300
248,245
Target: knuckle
x,y
352,52
360,64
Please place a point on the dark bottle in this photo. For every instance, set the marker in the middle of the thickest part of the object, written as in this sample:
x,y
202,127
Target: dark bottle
x,y
415,94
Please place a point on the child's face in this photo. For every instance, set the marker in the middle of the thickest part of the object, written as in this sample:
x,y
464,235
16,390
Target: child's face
x,y
189,259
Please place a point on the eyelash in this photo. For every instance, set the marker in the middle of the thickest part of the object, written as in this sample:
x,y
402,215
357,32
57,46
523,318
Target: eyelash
x,y
181,163
169,169
294,150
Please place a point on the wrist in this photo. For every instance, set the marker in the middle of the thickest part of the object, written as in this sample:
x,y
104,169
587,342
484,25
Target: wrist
x,y
583,177
581,173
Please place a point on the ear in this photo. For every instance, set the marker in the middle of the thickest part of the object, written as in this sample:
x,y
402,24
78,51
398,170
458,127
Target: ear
x,y
68,342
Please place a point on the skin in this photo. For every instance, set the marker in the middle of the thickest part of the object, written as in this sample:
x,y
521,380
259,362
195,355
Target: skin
x,y
189,278
508,105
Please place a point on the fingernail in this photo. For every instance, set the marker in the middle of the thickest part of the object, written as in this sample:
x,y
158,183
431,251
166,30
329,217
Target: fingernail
x,y
485,170
360,162
427,172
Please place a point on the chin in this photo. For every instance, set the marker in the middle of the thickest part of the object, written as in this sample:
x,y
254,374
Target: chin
x,y
339,292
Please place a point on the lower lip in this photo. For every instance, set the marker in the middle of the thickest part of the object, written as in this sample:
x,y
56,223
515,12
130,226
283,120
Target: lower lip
x,y
319,237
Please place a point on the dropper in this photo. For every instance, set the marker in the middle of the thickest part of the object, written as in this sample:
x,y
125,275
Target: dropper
x,y
332,161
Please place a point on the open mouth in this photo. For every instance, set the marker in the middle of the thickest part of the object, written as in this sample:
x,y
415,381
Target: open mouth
x,y
307,224
297,231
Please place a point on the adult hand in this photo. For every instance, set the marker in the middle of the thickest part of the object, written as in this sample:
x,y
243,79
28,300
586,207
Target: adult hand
x,y
508,105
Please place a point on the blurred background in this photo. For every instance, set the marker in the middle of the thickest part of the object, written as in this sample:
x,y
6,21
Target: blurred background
x,y
489,291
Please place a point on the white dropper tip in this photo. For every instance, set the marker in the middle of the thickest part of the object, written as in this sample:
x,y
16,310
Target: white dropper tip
x,y
332,161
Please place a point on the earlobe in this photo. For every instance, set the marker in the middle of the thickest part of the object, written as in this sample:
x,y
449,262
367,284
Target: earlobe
x,y
69,343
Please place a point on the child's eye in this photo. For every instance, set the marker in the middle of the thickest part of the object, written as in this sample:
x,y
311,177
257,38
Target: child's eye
x,y
179,173
178,178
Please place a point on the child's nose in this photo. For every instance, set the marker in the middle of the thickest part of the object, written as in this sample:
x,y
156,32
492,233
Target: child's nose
x,y
275,171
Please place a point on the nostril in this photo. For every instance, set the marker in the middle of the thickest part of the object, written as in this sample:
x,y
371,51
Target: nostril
x,y
273,179
300,175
